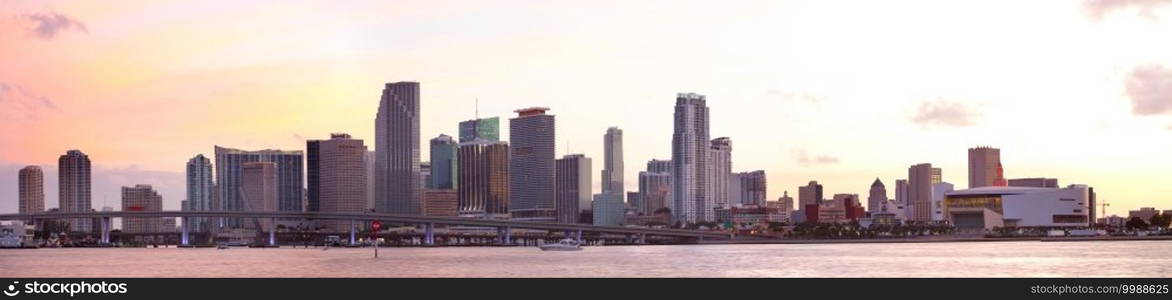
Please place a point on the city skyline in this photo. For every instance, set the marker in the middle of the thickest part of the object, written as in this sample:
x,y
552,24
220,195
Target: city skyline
x,y
817,123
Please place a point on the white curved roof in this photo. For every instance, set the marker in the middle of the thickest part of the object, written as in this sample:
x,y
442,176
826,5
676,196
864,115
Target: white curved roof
x,y
998,190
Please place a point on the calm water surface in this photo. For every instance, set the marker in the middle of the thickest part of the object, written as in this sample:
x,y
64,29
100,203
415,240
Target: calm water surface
x,y
962,259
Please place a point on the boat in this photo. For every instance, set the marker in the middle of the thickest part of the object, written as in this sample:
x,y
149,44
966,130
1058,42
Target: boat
x,y
562,245
222,246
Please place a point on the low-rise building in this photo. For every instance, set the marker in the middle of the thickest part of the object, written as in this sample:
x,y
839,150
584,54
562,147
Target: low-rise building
x,y
1000,206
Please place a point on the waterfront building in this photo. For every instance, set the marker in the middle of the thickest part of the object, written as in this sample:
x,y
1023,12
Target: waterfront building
x,y
1144,213
141,197
877,197
723,185
483,176
573,187
73,188
31,190
921,177
608,210
751,186
440,203
339,166
443,163
988,207
811,194
260,189
200,190
654,190
787,204
229,175
396,138
689,156
985,167
938,192
369,163
532,165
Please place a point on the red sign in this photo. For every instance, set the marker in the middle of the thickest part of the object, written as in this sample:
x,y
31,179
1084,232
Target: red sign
x,y
376,225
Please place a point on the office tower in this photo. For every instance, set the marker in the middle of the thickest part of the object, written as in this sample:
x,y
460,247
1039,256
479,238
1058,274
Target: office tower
x,y
720,174
608,210
312,175
733,189
396,149
483,174
1034,182
985,167
659,166
424,174
787,203
199,191
612,164
443,163
289,171
73,187
341,171
141,197
440,203
901,191
573,186
531,165
751,186
370,168
877,197
689,156
655,191
259,189
487,129
811,194
921,177
634,203
31,189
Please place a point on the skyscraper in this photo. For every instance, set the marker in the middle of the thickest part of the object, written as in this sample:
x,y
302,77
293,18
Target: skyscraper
x,y
341,170
396,138
877,197
531,165
370,167
31,189
259,190
921,177
787,204
719,174
483,174
288,169
689,156
612,165
73,185
487,129
573,186
199,191
655,189
141,197
659,166
752,187
608,210
984,166
443,163
811,194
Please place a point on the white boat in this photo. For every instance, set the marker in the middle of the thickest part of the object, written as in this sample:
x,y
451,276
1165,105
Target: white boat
x,y
562,245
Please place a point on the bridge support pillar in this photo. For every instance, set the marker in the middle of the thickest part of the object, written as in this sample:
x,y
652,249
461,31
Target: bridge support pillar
x,y
642,238
105,230
352,232
183,237
429,234
578,236
508,235
273,232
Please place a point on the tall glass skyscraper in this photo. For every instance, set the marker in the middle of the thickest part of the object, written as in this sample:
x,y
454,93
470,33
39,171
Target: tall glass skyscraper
x,y
443,163
396,137
719,173
199,191
73,187
531,165
689,156
573,187
483,173
612,165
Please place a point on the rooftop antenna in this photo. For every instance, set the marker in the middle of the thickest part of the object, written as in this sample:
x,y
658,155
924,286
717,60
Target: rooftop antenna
x,y
477,107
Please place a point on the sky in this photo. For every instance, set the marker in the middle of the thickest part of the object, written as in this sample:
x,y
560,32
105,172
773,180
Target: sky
x,y
841,92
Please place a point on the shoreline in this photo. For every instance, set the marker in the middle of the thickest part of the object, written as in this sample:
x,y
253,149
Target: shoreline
x,y
942,240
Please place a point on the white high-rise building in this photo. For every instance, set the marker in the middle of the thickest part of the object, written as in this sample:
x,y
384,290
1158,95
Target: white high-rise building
x,y
612,164
199,191
689,156
720,174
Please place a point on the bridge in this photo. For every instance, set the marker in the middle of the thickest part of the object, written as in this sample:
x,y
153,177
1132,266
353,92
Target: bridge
x,y
504,227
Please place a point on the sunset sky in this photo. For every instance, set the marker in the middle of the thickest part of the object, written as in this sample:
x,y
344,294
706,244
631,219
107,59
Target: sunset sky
x,y
836,91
